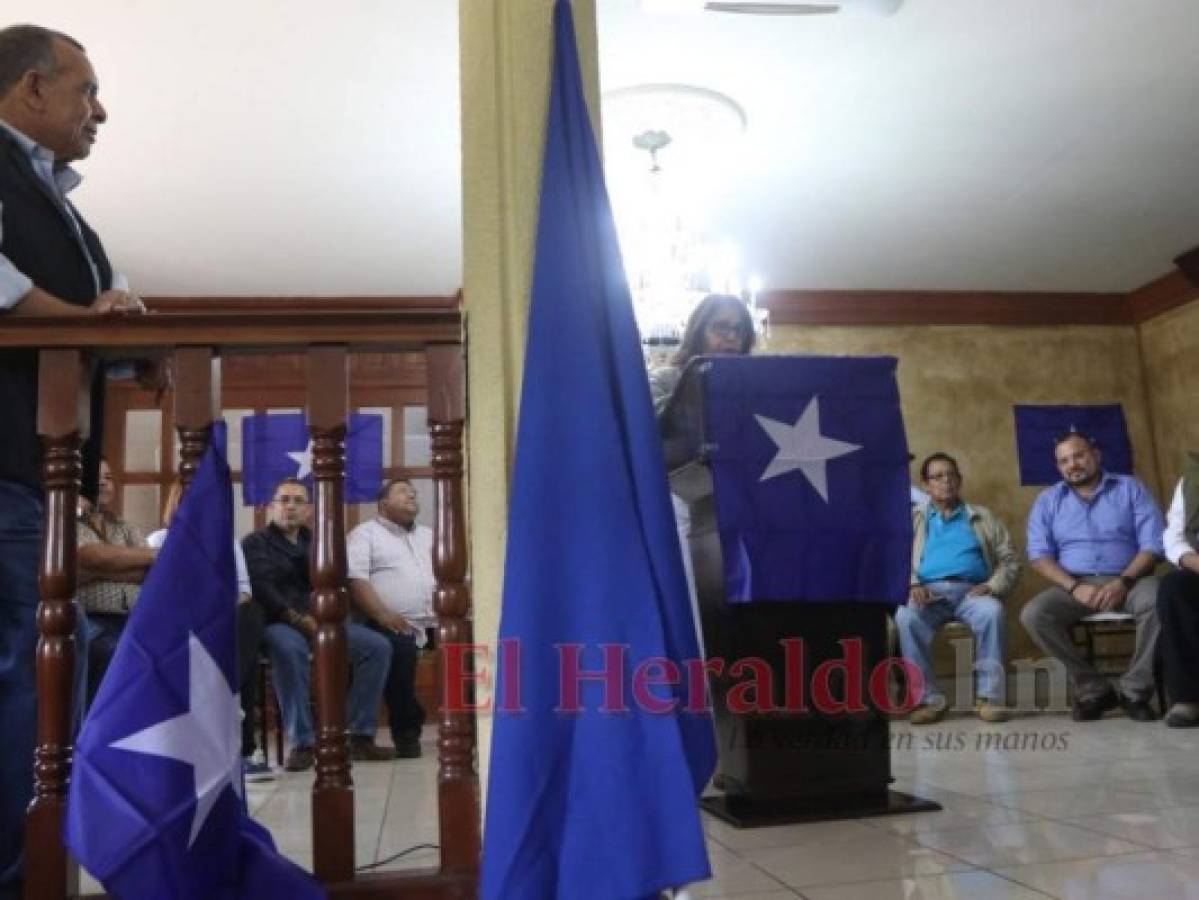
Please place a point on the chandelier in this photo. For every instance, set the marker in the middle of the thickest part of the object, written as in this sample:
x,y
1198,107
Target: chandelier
x,y
671,258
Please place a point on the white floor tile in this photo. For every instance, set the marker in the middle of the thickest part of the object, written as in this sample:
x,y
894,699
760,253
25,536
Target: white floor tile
x,y
733,875
1162,829
1073,803
955,886
883,856
740,839
1142,876
1023,842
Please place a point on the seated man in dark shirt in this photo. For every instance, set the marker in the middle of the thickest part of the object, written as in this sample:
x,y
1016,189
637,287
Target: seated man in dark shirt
x,y
277,557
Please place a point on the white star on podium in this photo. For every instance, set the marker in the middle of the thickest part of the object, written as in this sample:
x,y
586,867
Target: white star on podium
x,y
303,458
802,446
205,737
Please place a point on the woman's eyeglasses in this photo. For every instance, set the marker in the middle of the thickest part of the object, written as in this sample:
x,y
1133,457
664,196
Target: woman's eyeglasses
x,y
726,329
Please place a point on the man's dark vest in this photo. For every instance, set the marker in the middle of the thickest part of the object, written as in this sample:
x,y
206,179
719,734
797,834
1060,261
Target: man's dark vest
x,y
38,238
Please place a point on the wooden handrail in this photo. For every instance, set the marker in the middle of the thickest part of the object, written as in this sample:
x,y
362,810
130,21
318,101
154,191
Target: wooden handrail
x,y
198,339
266,330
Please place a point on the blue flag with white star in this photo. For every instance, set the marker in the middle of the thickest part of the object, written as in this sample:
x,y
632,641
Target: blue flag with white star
x,y
809,462
1038,427
277,446
595,799
156,806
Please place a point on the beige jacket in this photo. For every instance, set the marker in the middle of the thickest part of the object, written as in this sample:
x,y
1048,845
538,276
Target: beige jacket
x,y
993,537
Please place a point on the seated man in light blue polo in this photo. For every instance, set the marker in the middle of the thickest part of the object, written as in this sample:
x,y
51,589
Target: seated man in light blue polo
x,y
1096,537
963,564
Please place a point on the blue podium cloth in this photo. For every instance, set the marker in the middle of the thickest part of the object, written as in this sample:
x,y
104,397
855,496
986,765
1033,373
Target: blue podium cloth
x,y
810,467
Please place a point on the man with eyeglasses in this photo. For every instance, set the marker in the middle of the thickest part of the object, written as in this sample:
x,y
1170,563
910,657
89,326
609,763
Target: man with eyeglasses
x,y
1096,537
963,564
277,557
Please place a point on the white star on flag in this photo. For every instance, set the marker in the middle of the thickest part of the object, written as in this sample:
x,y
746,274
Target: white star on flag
x,y
302,458
205,737
802,446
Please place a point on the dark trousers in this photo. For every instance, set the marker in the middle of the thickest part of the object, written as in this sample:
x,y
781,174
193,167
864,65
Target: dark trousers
x,y
1178,610
405,714
104,633
21,516
251,622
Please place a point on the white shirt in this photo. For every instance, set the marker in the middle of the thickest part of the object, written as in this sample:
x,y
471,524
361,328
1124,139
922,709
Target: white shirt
x,y
1175,536
398,564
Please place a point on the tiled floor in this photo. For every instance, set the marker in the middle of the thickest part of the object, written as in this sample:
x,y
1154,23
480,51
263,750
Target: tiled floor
x,y
395,809
1113,814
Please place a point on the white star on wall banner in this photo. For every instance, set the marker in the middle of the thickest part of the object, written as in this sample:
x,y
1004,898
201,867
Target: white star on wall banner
x,y
802,446
303,459
205,737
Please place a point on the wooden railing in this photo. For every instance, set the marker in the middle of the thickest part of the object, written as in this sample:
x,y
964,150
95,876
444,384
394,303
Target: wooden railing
x,y
197,340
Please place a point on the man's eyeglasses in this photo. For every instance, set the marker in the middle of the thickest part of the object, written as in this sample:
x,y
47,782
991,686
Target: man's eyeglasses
x,y
726,329
944,476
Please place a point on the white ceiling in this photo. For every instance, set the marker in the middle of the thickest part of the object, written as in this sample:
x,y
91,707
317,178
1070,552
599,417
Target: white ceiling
x,y
960,144
273,147
282,147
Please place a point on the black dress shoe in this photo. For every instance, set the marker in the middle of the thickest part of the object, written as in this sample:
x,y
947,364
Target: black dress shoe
x,y
1183,715
1091,708
1138,710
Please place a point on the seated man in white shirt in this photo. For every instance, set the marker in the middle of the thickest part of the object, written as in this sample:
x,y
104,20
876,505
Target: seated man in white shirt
x,y
391,584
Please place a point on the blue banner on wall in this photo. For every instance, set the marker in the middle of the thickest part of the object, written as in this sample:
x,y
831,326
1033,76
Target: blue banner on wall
x,y
1037,427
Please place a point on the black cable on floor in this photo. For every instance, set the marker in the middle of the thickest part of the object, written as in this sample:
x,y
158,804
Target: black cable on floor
x,y
392,859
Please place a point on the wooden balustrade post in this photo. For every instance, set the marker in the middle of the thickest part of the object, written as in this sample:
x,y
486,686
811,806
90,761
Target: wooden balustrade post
x,y
197,405
60,385
333,792
458,780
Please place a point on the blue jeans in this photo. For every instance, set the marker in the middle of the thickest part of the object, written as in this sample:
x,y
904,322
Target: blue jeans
x,y
291,670
983,615
21,516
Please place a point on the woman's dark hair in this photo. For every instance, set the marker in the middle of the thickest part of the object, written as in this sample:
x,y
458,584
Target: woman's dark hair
x,y
938,457
697,326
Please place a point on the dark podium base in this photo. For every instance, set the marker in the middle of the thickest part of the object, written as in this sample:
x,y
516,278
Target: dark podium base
x,y
741,813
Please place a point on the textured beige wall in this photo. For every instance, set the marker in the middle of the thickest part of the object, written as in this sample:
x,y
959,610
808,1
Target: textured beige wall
x,y
958,385
1170,349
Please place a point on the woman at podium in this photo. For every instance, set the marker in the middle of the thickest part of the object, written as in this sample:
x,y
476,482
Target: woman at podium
x,y
720,324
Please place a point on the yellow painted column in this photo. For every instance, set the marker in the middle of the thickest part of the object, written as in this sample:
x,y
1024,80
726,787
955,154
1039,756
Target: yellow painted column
x,y
506,51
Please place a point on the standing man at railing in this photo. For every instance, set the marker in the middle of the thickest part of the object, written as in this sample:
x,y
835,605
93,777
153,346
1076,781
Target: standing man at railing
x,y
51,264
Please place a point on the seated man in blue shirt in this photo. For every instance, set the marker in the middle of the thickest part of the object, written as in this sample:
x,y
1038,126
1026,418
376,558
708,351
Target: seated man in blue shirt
x,y
963,564
1096,536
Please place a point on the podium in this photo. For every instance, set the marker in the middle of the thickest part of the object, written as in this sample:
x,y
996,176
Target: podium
x,y
812,743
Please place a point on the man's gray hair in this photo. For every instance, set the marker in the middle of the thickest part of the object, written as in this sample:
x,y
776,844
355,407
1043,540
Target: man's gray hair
x,y
25,47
